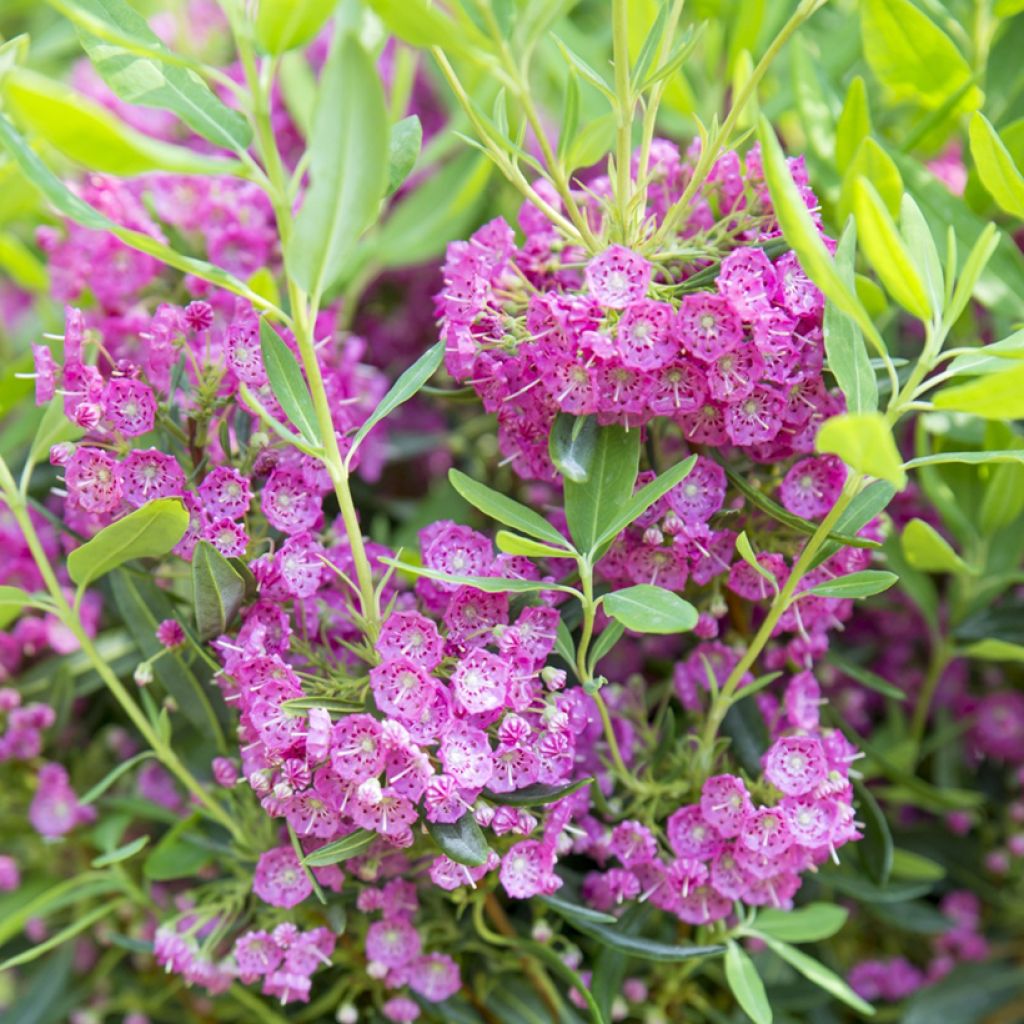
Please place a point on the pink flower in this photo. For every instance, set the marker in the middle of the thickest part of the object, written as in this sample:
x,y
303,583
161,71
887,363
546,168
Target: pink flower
x,y
279,878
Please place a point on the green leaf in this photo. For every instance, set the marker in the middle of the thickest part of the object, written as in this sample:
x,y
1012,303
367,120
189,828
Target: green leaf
x,y
745,726
873,163
994,649
513,544
649,609
854,123
407,385
643,499
746,552
865,583
134,62
403,151
865,443
913,58
802,234
348,168
844,343
998,172
909,865
348,846
88,134
971,458
13,601
861,888
570,113
288,384
177,855
970,993
54,428
488,584
605,642
417,23
926,549
996,396
141,606
867,678
121,853
286,24
462,841
148,532
571,445
71,206
875,848
999,355
592,507
538,794
506,510
576,911
813,923
218,591
95,792
819,975
746,984
80,924
887,252
444,207
923,251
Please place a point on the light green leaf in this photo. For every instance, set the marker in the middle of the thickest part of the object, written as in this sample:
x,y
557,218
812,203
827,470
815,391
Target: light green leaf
x,y
148,532
800,231
913,58
488,584
998,173
812,923
13,601
746,985
746,551
286,24
854,123
348,168
997,396
865,443
462,841
970,458
994,649
288,384
121,853
873,163
95,792
644,498
915,867
844,343
138,67
819,975
857,584
403,151
648,609
87,133
22,265
988,358
593,506
80,924
513,544
887,252
926,549
341,849
417,23
218,591
407,385
505,510
923,251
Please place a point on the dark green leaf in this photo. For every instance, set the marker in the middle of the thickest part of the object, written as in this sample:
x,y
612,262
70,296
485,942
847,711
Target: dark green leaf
x,y
148,532
861,888
538,794
217,591
177,855
875,848
505,510
867,678
745,726
969,994
348,846
571,445
592,507
576,911
462,841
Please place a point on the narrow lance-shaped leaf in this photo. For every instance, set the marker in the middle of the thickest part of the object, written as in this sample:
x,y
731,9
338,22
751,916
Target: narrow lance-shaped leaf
x,y
505,510
996,396
746,985
288,384
844,343
811,923
148,532
128,55
819,975
407,385
403,150
875,848
489,584
348,167
286,24
865,583
341,849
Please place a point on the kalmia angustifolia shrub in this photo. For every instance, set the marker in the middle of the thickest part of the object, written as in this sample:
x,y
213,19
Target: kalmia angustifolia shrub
x,y
594,726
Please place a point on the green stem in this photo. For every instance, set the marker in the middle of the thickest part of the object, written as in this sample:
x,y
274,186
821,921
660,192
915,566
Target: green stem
x,y
922,708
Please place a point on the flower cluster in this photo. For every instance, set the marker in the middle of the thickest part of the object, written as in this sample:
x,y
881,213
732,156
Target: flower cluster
x,y
23,726
55,809
538,329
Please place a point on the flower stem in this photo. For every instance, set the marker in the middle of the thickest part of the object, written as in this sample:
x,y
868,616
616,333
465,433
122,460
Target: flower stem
x,y
623,116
